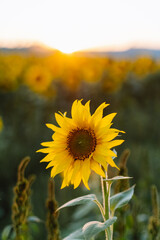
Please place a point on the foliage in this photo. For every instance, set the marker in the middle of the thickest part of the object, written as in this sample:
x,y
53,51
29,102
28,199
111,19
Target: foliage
x,y
41,74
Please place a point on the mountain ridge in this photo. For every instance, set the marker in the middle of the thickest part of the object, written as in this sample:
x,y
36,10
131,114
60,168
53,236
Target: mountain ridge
x,y
129,53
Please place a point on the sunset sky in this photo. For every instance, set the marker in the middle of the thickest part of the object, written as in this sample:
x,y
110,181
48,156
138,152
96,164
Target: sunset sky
x,y
71,25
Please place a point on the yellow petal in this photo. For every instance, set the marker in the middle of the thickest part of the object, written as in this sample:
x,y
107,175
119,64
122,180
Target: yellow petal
x,y
116,130
107,119
101,160
60,167
102,150
114,143
48,158
96,168
51,164
102,132
56,129
67,176
56,149
79,118
77,179
86,171
86,115
111,162
74,109
53,127
59,137
110,136
99,110
62,157
47,144
65,183
86,112
63,115
45,150
97,116
64,122
56,170
87,106
59,118
76,169
66,179
68,173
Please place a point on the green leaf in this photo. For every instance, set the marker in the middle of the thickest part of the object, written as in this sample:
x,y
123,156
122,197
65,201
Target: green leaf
x,y
121,199
116,178
91,229
79,200
77,235
83,210
8,233
34,219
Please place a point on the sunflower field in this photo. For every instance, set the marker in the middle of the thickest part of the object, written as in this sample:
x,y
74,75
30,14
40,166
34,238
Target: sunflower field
x,y
77,96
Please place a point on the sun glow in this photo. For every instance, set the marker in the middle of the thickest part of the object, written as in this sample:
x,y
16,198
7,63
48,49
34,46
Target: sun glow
x,y
67,46
67,49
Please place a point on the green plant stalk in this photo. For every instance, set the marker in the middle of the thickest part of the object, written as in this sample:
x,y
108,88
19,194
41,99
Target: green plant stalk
x,y
103,197
106,204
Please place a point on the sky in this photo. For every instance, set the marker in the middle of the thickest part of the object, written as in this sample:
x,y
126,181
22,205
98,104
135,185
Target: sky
x,y
71,25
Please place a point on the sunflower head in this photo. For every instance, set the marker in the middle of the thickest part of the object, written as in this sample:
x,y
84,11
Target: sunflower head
x,y
38,78
81,143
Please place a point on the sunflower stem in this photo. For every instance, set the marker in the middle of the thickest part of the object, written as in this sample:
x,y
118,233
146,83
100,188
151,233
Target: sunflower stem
x,y
106,204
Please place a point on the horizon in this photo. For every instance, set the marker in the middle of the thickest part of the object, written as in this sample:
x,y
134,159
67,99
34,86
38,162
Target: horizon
x,y
94,49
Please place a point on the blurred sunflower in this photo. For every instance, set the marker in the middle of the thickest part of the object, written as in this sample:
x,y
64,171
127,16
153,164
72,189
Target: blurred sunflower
x,y
81,144
11,67
92,69
1,124
38,78
143,66
71,74
115,75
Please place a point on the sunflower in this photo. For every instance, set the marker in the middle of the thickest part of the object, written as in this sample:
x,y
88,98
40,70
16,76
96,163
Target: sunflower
x,y
1,123
38,78
81,144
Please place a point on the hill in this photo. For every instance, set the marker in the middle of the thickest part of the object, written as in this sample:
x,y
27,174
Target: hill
x,y
130,53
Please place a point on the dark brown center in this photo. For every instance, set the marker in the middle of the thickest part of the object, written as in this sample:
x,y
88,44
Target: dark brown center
x,y
38,79
81,143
